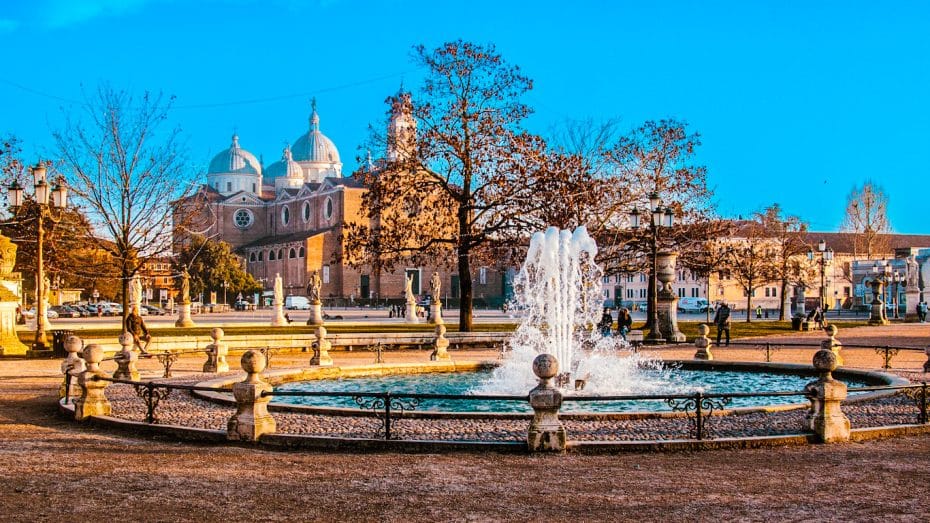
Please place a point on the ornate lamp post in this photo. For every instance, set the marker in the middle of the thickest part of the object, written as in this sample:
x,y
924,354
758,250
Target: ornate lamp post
x,y
59,200
225,286
659,217
825,257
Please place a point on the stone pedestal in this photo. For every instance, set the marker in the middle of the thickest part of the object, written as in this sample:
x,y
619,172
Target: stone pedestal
x,y
251,419
321,349
277,315
92,400
826,419
435,313
316,314
9,341
801,305
832,344
911,299
126,360
184,316
546,432
878,316
216,353
72,366
702,343
667,303
441,345
411,316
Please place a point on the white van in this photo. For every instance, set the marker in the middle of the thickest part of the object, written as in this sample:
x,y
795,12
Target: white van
x,y
300,303
692,304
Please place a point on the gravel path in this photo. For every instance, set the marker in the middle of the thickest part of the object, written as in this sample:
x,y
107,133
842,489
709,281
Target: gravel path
x,y
57,470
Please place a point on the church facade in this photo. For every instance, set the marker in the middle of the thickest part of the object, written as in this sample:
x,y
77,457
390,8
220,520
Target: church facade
x,y
288,218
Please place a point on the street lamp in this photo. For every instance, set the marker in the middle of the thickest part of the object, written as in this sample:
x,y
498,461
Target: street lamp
x,y
59,200
659,217
825,257
225,286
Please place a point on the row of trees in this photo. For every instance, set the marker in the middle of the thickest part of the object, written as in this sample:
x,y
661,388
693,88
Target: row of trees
x,y
472,183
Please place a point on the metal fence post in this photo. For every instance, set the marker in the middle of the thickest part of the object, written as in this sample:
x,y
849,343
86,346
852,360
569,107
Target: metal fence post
x,y
923,402
699,415
387,415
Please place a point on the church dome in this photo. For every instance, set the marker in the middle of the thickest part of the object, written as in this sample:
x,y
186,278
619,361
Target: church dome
x,y
314,146
286,167
235,160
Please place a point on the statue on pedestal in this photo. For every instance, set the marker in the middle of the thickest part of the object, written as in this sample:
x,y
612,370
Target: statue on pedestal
x,y
408,289
313,287
435,287
278,289
185,285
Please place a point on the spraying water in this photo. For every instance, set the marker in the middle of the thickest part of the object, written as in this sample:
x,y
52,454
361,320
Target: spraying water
x,y
558,289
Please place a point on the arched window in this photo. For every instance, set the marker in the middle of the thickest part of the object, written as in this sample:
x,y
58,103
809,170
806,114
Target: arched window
x,y
285,215
261,255
280,254
328,210
292,253
271,255
307,211
252,257
302,252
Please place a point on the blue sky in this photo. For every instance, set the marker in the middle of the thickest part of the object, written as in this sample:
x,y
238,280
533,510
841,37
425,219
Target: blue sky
x,y
797,102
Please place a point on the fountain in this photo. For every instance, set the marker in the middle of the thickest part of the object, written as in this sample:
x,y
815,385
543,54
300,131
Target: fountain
x,y
558,289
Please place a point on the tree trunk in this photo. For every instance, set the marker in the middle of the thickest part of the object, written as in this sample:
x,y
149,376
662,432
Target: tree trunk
x,y
465,291
125,298
782,313
749,305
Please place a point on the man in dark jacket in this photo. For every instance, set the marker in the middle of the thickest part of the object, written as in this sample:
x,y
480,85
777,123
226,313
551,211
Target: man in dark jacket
x,y
722,322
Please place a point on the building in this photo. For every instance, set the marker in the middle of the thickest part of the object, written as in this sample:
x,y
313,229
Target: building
x,y
288,219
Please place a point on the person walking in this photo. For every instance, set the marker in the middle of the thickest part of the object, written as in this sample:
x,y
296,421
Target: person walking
x,y
624,322
607,321
722,322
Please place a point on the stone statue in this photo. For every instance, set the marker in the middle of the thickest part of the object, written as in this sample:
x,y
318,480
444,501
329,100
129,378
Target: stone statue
x,y
313,287
7,256
278,289
912,273
408,289
135,290
185,285
435,287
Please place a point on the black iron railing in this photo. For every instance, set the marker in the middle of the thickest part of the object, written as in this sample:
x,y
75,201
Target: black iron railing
x,y
888,352
153,392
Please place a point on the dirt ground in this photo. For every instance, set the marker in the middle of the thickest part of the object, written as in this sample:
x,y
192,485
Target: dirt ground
x,y
56,470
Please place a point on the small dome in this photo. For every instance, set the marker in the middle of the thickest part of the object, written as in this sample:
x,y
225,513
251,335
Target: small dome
x,y
315,146
286,167
235,160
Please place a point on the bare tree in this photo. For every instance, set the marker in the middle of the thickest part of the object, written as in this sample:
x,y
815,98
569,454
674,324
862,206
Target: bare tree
x,y
128,170
788,235
467,182
752,259
867,219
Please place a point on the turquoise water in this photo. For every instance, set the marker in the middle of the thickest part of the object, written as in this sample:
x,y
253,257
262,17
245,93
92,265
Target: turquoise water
x,y
462,383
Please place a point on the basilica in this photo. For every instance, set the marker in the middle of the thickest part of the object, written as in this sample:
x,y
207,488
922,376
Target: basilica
x,y
287,218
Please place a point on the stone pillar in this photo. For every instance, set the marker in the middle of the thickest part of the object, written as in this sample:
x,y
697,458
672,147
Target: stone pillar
x,y
802,299
546,432
832,344
251,419
72,366
216,353
878,316
316,314
184,316
93,400
703,344
126,360
9,341
411,316
321,349
911,290
440,346
667,303
435,312
277,314
826,419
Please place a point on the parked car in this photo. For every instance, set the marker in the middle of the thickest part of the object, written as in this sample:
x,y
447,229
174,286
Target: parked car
x,y
297,303
242,305
31,313
65,311
693,305
154,311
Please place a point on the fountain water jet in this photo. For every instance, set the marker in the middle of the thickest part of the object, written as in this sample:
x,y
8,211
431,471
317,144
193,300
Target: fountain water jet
x,y
558,289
